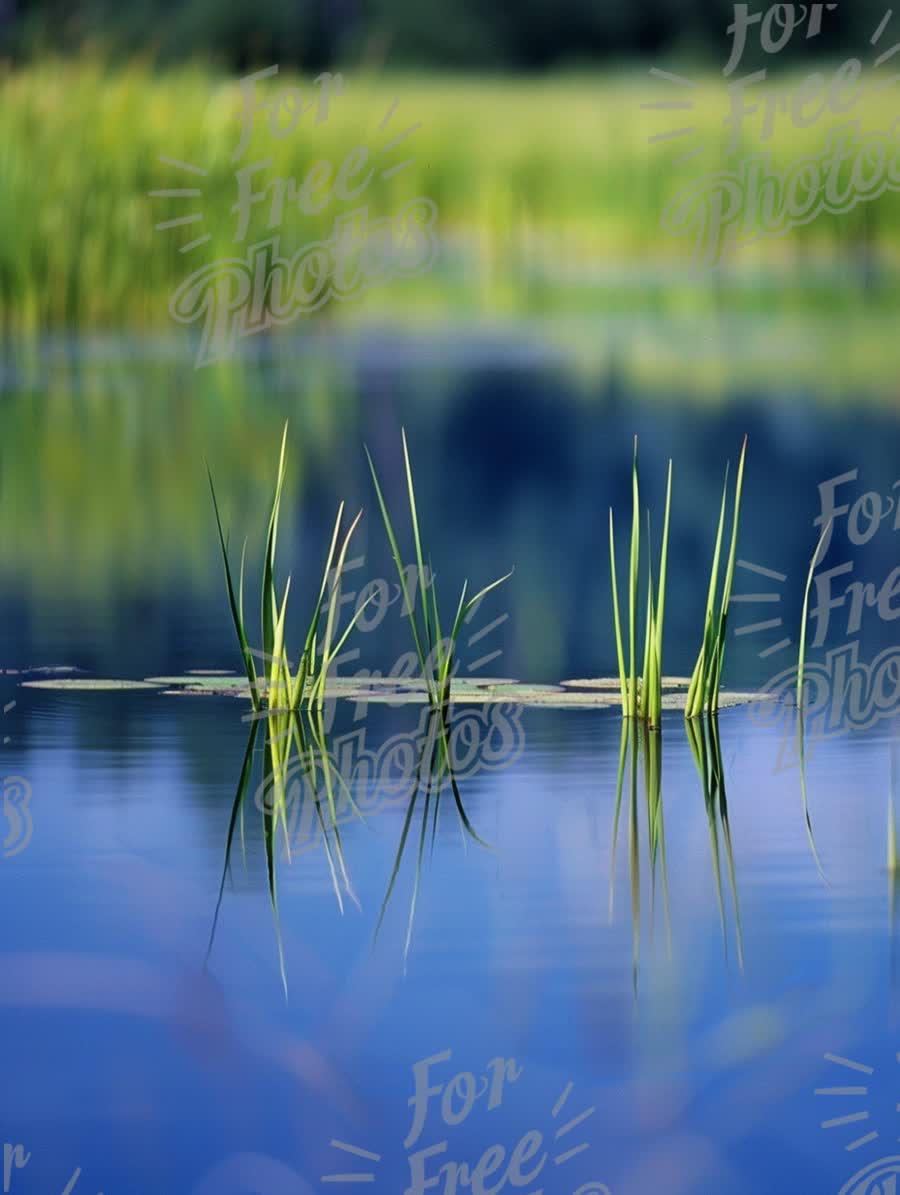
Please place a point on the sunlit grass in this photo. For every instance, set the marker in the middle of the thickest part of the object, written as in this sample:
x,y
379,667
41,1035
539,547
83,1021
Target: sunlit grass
x,y
533,179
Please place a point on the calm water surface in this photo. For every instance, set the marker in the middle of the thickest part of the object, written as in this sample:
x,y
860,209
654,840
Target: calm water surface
x,y
683,989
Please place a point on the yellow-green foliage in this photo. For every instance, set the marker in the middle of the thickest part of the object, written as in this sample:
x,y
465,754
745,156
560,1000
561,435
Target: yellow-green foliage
x,y
549,174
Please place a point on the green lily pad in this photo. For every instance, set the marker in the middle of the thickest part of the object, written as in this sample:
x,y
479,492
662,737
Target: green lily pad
x,y
612,682
92,684
586,694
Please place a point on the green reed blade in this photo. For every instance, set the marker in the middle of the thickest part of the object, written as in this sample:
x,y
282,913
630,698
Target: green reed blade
x,y
398,562
269,598
327,655
442,654
700,678
813,565
729,578
620,653
473,601
633,568
661,601
417,541
236,606
307,657
277,692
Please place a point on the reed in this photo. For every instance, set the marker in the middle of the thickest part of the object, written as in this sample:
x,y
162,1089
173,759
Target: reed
x,y
641,698
279,687
705,686
437,654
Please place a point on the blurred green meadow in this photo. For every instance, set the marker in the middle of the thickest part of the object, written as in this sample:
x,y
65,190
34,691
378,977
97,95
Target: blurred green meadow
x,y
549,191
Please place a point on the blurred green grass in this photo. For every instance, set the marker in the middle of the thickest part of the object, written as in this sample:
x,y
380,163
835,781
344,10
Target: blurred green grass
x,y
548,189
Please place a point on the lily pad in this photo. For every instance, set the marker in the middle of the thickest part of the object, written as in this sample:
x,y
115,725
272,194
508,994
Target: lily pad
x,y
587,694
612,682
87,683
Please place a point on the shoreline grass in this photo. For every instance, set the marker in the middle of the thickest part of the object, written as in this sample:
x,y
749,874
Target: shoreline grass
x,y
553,171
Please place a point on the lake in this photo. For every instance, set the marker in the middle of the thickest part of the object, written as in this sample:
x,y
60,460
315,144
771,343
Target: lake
x,y
659,978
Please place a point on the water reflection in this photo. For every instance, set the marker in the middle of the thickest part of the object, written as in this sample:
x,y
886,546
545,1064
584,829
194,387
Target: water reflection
x,y
296,753
706,748
303,785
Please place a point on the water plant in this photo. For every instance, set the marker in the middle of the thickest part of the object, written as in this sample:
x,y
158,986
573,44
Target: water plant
x,y
437,655
641,697
278,687
707,675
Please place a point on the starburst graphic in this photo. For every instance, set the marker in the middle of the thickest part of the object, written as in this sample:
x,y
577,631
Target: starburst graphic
x,y
383,152
854,1092
182,193
768,624
684,85
564,1155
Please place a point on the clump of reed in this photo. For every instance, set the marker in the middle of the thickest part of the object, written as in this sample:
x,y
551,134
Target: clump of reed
x,y
278,687
641,695
437,654
706,680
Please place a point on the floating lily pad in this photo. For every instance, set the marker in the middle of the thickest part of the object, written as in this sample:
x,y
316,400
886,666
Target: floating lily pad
x,y
39,671
213,682
87,683
612,682
587,694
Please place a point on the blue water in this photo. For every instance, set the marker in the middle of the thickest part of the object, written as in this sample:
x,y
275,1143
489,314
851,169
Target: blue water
x,y
690,1002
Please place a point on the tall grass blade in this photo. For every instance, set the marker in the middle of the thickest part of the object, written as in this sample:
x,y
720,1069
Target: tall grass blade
x,y
398,562
633,569
429,634
236,605
656,711
268,597
620,653
729,579
804,618
699,681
